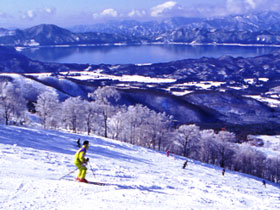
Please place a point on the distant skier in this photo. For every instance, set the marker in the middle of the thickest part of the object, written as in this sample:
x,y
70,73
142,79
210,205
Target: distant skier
x,y
79,143
223,171
167,153
185,164
81,161
264,183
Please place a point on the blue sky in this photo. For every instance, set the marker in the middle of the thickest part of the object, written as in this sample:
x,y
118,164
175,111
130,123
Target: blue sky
x,y
65,13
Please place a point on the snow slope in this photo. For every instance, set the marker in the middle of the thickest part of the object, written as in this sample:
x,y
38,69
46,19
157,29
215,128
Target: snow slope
x,y
33,160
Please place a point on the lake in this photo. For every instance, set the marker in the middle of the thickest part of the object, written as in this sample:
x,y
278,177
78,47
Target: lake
x,y
139,54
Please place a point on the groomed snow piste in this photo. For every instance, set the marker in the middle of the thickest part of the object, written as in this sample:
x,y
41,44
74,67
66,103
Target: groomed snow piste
x,y
33,161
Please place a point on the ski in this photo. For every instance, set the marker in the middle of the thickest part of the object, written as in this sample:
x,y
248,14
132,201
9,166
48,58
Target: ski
x,y
97,183
90,182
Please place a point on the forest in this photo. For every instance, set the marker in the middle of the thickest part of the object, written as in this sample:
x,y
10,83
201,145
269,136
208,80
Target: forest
x,y
136,125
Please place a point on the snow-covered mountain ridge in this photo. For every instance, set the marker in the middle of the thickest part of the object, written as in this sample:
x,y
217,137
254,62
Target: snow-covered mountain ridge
x,y
250,29
33,160
252,22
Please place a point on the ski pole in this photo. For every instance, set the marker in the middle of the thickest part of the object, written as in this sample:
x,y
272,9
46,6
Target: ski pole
x,y
91,170
68,173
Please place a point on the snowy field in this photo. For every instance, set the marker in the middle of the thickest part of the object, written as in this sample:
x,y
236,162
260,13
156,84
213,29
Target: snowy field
x,y
32,162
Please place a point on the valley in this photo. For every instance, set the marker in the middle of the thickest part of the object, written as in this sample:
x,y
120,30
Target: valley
x,y
213,93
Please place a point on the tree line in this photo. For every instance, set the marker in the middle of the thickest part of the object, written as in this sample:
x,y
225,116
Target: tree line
x,y
138,125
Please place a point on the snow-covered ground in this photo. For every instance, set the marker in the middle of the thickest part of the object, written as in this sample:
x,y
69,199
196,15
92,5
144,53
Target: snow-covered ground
x,y
33,160
271,146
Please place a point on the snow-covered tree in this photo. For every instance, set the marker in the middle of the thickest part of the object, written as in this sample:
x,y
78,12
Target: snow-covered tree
x,y
46,107
73,113
92,117
227,136
140,125
208,149
188,139
12,104
249,160
105,98
136,117
272,169
158,125
217,148
117,124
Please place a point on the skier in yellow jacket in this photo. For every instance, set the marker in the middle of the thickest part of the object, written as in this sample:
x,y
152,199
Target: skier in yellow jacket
x,y
81,161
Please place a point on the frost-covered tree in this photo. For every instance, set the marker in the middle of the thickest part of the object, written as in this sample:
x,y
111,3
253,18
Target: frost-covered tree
x,y
92,117
12,104
249,160
272,169
158,126
227,136
188,139
136,117
105,98
225,148
140,125
208,147
46,107
117,124
73,113
217,148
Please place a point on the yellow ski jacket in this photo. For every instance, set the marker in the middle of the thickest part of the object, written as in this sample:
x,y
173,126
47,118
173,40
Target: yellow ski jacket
x,y
80,156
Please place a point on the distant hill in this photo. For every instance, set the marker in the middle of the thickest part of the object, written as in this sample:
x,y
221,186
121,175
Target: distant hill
x,y
203,91
53,35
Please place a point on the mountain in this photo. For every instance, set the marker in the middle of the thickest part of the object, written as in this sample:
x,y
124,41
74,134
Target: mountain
x,y
220,36
260,28
255,28
53,35
253,22
50,35
35,164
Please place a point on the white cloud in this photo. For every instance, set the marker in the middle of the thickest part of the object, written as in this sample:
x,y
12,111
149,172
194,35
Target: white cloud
x,y
29,14
159,9
242,6
49,10
40,14
137,13
109,12
251,3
